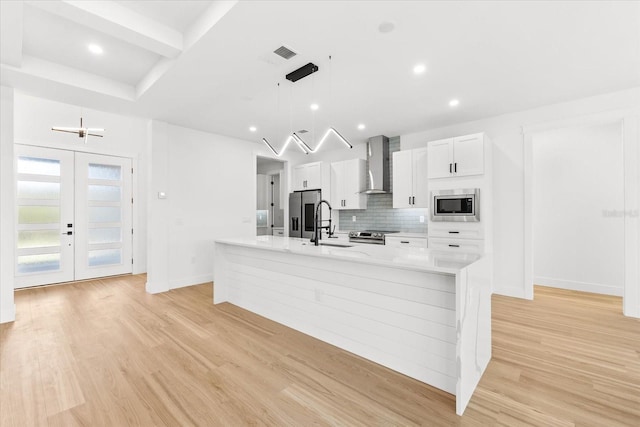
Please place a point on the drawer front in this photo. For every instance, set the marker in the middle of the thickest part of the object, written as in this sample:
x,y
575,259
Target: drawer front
x,y
452,230
415,242
278,232
470,246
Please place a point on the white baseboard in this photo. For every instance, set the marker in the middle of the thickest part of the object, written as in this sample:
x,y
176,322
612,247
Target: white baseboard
x,y
190,281
510,292
8,314
596,288
156,288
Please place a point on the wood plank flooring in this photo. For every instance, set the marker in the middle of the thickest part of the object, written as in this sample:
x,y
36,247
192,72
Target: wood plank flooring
x,y
104,352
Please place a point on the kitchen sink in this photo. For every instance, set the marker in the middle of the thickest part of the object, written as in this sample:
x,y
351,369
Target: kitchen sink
x,y
336,245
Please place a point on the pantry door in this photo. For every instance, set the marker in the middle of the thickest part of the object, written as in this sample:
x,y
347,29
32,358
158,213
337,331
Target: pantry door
x,y
73,216
44,216
103,216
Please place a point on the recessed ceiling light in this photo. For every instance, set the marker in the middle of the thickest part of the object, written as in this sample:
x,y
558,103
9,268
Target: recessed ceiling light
x,y
361,126
419,69
95,49
454,103
386,27
252,128
314,107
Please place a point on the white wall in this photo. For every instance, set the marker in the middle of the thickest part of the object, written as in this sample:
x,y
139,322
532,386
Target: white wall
x,y
210,182
124,136
508,173
7,206
578,204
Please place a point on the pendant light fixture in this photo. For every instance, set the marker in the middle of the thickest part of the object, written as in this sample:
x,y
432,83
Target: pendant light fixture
x,y
294,76
291,136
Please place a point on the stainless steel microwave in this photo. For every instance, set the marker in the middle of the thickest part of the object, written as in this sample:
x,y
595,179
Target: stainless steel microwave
x,y
462,205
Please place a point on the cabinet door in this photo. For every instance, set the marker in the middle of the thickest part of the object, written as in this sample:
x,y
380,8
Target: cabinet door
x,y
468,155
440,158
420,164
337,185
402,179
299,177
313,176
353,184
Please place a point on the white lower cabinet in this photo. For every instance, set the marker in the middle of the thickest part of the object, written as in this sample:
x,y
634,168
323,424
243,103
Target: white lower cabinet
x,y
407,242
469,246
456,230
278,231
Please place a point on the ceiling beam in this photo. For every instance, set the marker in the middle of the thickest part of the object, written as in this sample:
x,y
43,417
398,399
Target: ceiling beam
x,y
39,72
120,22
11,32
192,35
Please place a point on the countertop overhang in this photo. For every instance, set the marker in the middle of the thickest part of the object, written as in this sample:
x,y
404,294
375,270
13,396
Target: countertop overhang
x,y
419,259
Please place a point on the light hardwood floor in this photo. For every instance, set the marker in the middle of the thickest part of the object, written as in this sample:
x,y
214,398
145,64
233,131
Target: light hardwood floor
x,y
104,352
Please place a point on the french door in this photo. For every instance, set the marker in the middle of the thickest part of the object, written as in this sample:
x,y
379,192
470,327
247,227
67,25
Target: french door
x,y
73,217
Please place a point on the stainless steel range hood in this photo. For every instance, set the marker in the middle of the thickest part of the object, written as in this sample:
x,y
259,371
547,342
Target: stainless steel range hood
x,y
378,179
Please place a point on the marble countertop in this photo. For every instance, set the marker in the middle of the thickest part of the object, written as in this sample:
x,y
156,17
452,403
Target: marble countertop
x,y
419,259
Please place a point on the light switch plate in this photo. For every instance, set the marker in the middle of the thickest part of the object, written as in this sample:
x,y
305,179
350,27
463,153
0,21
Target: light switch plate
x,y
421,218
353,218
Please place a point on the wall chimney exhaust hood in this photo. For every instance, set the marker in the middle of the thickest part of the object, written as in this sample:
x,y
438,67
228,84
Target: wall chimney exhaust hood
x,y
378,179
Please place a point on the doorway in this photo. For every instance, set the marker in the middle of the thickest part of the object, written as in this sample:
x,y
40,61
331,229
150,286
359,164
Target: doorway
x,y
270,195
630,125
578,205
74,216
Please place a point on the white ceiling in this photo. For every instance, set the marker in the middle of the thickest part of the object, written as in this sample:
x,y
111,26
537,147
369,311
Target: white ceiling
x,y
210,66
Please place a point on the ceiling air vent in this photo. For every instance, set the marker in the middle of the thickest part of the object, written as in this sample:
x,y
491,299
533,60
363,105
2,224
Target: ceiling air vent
x,y
284,52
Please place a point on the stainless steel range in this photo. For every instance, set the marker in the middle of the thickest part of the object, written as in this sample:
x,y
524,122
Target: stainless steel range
x,y
375,237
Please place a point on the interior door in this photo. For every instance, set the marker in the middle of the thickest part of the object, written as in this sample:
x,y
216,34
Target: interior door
x,y
103,216
44,216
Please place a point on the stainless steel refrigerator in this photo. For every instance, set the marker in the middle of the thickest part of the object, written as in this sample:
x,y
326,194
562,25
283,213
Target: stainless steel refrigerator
x,y
302,208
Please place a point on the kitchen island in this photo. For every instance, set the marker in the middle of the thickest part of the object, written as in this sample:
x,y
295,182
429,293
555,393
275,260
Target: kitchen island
x,y
424,313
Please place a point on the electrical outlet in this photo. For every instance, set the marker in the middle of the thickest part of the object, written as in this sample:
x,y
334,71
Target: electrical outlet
x,y
421,218
353,218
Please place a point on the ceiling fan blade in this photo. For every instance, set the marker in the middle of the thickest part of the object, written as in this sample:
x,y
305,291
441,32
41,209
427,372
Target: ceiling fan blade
x,y
95,130
65,130
93,134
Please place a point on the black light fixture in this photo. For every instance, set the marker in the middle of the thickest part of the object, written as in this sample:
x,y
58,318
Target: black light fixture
x,y
294,76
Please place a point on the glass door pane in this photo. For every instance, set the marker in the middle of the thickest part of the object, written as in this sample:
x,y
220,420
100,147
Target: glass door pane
x,y
103,215
44,199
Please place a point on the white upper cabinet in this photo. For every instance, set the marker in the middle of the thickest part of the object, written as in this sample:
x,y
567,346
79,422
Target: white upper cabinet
x,y
347,184
410,179
460,156
307,176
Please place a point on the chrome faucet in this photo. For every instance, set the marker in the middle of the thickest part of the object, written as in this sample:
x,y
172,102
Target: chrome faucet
x,y
318,227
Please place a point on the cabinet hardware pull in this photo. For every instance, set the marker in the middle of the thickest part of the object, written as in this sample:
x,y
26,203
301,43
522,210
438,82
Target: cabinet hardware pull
x,y
454,232
454,246
450,167
455,167
409,199
413,202
404,241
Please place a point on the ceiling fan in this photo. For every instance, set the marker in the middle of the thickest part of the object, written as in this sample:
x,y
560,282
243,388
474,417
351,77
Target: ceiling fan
x,y
82,132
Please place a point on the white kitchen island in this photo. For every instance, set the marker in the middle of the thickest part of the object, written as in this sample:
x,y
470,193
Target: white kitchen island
x,y
424,313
